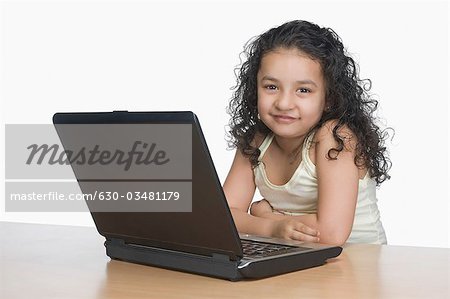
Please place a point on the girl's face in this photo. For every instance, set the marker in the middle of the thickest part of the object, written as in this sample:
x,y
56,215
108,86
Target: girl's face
x,y
291,92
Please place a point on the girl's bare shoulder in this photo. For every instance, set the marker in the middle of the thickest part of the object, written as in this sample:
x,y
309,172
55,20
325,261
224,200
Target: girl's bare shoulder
x,y
324,134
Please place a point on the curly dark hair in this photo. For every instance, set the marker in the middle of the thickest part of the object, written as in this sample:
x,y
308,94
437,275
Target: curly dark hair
x,y
347,96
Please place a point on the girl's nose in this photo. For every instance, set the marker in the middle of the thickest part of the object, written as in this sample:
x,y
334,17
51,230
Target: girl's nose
x,y
285,101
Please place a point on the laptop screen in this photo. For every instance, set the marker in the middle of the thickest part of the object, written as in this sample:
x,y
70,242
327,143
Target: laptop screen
x,y
185,207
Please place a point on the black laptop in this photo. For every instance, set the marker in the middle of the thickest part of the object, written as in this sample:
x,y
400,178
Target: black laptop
x,y
158,200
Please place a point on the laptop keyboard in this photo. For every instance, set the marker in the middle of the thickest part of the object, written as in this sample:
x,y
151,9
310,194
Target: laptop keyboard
x,y
256,249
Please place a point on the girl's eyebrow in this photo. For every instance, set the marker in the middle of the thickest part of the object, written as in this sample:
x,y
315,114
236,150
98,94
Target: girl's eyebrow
x,y
298,81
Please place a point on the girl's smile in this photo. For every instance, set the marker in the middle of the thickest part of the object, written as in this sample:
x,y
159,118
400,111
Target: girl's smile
x,y
284,118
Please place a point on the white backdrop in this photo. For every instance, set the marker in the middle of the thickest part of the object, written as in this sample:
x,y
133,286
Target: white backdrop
x,y
142,56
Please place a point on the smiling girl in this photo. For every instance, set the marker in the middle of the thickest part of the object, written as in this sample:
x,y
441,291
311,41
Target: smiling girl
x,y
303,126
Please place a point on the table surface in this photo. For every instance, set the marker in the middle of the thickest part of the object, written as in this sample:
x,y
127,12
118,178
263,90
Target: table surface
x,y
54,261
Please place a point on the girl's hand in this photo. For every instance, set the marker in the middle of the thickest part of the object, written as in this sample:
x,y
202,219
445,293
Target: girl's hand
x,y
285,227
292,229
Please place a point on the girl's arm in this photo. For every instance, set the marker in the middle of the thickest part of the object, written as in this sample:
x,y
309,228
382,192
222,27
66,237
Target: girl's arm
x,y
239,188
337,189
337,186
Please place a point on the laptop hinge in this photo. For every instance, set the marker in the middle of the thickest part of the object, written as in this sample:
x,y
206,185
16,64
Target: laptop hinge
x,y
215,256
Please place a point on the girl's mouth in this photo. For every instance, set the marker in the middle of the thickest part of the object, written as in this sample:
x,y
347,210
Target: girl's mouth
x,y
284,119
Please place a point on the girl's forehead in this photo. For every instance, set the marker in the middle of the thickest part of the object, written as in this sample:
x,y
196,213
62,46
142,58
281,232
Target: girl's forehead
x,y
290,62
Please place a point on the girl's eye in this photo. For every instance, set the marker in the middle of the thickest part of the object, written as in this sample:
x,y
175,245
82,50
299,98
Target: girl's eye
x,y
304,90
270,87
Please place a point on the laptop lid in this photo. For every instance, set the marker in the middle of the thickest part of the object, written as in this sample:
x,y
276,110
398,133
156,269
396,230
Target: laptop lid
x,y
208,229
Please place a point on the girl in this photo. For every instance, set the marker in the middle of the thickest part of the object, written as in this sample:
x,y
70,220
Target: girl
x,y
302,123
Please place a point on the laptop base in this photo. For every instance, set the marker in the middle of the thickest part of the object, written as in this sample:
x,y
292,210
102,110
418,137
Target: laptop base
x,y
218,265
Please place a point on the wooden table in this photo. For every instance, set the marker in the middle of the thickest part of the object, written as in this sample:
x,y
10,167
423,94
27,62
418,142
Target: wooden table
x,y
52,261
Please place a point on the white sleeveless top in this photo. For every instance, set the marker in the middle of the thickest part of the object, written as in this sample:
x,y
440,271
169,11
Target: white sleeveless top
x,y
299,196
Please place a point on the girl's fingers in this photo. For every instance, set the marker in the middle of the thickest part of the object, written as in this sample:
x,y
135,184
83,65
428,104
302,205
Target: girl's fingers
x,y
306,229
299,236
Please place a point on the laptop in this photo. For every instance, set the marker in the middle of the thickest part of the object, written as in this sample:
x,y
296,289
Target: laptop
x,y
199,236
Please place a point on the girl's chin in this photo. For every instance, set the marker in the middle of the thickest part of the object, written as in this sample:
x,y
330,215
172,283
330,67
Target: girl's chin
x,y
285,130
287,133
